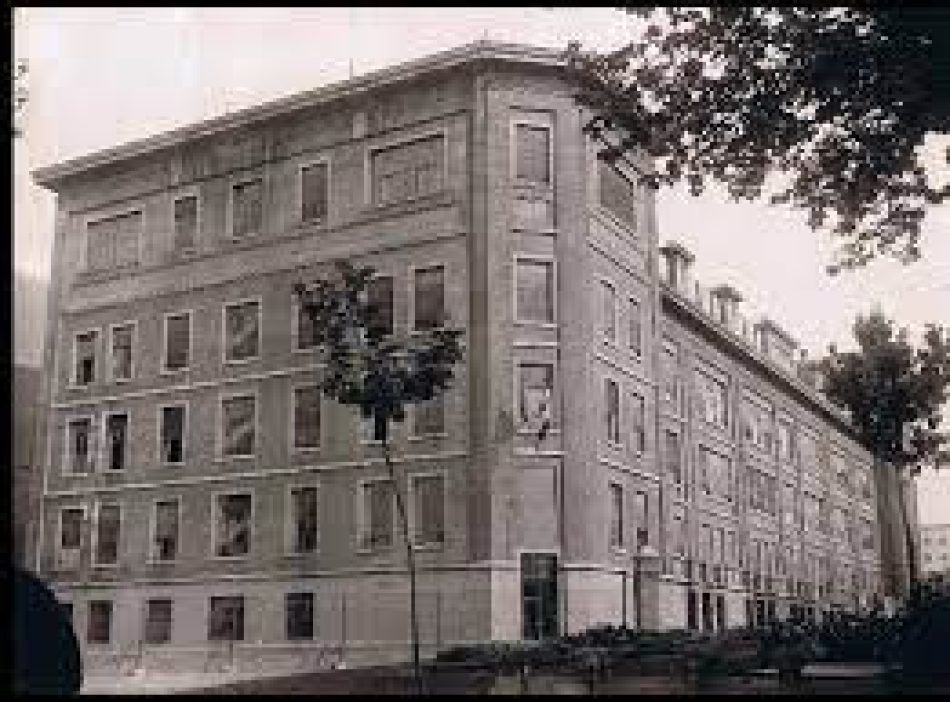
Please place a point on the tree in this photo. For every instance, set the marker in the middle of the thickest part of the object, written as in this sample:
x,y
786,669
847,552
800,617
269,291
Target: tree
x,y
381,373
837,101
894,393
20,95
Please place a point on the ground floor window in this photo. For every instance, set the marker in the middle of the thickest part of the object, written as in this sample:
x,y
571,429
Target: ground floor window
x,y
720,612
158,621
99,629
539,605
299,606
226,619
692,620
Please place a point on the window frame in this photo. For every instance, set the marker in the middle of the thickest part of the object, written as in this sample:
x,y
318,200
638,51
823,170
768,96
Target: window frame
x,y
215,496
411,508
163,368
609,382
253,299
208,614
519,363
83,529
305,450
224,396
110,364
94,537
289,524
74,383
604,283
362,521
413,271
114,212
313,615
302,165
104,453
92,451
639,445
413,409
369,172
549,261
236,181
181,194
184,432
89,618
536,122
152,555
635,312
146,619
634,227
616,510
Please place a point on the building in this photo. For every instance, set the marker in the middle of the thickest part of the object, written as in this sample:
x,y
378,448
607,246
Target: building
x,y
935,552
203,505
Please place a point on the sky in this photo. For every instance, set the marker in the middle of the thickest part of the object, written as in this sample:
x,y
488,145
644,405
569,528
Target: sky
x,y
103,76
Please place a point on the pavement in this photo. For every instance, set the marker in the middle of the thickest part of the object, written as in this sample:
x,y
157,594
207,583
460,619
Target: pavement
x,y
160,683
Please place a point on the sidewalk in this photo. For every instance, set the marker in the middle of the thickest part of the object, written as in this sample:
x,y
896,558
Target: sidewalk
x,y
161,683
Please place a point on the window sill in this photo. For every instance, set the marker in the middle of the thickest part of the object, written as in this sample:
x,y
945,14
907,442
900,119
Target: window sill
x,y
429,437
73,387
173,371
297,555
241,457
428,547
230,559
105,566
241,361
157,563
122,381
536,323
534,433
374,550
307,450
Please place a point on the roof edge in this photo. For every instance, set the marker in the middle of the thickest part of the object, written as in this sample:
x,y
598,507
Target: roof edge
x,y
49,176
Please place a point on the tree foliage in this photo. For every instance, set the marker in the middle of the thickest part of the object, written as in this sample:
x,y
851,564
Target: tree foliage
x,y
894,391
836,100
366,366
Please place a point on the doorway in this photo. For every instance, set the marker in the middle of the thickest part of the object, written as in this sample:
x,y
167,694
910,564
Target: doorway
x,y
539,596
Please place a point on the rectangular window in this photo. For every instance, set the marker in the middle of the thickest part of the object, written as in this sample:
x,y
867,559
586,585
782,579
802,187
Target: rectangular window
x,y
165,547
429,298
784,441
99,629
122,352
307,417
247,208
616,515
239,415
107,535
314,192
673,463
428,417
86,344
608,311
303,501
233,524
428,492
380,297
113,242
638,423
242,331
70,537
177,341
713,399
377,532
306,329
668,372
117,429
80,445
226,618
612,408
539,596
186,222
173,434
158,621
617,194
635,330
299,606
677,537
408,171
535,293
533,154
641,506
535,392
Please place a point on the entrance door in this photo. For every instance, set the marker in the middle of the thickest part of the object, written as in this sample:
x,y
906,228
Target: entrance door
x,y
539,595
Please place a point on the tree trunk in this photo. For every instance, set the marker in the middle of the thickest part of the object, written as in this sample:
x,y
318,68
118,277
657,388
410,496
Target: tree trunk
x,y
908,540
411,564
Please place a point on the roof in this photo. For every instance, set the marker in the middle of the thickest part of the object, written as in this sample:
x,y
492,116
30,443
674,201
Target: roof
x,y
770,325
49,176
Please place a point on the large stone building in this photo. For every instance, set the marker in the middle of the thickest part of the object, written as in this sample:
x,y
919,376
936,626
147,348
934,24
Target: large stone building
x,y
201,498
935,552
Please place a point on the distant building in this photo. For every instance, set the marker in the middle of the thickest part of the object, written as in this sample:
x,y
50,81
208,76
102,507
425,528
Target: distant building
x,y
203,503
935,551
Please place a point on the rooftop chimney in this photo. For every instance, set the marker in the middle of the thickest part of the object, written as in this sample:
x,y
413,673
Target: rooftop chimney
x,y
678,261
725,301
776,343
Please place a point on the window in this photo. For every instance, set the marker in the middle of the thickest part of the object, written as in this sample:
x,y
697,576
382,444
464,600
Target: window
x,y
242,330
122,352
377,515
670,384
713,399
608,311
617,194
99,629
616,515
186,222
158,621
783,442
233,525
379,294
247,210
635,330
80,449
612,407
303,506
410,170
239,414
539,595
757,424
641,506
314,192
533,154
165,546
113,242
177,341
172,434
535,291
428,417
299,606
307,417
673,464
713,470
305,332
677,537
428,493
70,536
808,452
107,535
429,298
86,357
226,618
638,422
536,388
117,428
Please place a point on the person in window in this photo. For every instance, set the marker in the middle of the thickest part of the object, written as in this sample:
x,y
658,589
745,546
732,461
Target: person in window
x,y
46,658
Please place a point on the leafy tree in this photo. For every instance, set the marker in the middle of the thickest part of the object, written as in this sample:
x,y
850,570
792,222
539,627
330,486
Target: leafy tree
x,y
837,101
894,393
381,373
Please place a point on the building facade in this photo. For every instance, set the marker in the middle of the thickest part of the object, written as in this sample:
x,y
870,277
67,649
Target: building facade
x,y
935,552
203,505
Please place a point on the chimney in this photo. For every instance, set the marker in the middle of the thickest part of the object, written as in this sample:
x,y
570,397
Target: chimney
x,y
776,343
677,263
725,301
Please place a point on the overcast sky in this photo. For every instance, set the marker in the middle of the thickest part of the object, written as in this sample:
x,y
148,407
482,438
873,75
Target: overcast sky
x,y
103,76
